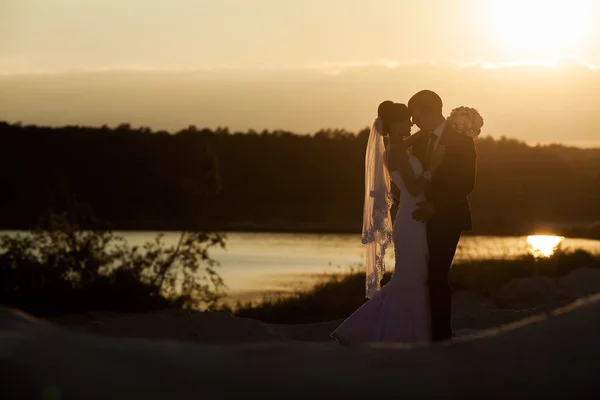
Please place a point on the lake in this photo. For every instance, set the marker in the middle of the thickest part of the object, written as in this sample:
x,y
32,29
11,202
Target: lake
x,y
256,263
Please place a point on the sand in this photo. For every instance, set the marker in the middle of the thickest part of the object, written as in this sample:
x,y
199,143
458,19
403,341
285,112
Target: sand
x,y
192,355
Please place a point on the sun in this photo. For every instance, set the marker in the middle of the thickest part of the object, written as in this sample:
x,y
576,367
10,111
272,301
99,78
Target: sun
x,y
542,29
544,245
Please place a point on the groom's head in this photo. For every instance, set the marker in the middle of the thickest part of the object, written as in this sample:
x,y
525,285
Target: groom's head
x,y
426,109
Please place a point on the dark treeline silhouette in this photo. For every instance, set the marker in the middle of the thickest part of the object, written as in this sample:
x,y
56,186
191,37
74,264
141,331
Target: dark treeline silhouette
x,y
139,179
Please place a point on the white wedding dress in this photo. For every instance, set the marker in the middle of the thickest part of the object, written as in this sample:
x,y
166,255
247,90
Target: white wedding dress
x,y
399,312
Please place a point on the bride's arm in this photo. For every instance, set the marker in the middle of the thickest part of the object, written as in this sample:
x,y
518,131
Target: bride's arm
x,y
400,162
412,139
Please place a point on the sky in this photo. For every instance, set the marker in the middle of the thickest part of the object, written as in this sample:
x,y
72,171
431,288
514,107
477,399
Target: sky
x,y
299,65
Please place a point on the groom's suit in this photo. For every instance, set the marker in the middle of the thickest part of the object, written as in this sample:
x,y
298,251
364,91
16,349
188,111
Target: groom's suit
x,y
453,181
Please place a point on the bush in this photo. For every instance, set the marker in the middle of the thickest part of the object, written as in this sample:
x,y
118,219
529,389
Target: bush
x,y
59,268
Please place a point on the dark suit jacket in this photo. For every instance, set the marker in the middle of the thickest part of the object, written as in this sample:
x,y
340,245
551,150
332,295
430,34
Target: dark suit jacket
x,y
453,181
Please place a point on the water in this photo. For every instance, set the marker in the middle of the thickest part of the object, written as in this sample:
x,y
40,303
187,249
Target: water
x,y
257,263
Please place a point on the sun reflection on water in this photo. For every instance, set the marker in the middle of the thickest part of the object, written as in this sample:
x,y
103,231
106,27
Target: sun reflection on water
x,y
543,245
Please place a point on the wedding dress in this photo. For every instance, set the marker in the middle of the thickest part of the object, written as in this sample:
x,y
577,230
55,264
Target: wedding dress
x,y
399,312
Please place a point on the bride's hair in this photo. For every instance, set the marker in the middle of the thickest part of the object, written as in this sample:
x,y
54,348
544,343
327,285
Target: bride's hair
x,y
390,112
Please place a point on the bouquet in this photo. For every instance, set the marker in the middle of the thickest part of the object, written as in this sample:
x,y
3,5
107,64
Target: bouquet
x,y
466,121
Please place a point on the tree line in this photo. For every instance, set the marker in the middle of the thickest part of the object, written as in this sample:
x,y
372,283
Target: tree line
x,y
139,179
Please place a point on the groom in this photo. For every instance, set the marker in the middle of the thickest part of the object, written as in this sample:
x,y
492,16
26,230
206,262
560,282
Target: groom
x,y
446,211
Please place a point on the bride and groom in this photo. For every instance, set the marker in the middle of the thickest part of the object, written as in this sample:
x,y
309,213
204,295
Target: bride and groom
x,y
434,172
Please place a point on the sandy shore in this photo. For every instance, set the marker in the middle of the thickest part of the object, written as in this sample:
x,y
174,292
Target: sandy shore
x,y
178,354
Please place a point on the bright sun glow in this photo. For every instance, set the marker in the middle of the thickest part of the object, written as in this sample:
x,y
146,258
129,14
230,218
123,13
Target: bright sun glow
x,y
536,30
544,245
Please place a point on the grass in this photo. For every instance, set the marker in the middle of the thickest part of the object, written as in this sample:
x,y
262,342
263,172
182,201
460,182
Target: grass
x,y
337,296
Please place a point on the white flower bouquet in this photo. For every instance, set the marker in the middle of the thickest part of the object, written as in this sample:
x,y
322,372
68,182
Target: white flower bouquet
x,y
466,121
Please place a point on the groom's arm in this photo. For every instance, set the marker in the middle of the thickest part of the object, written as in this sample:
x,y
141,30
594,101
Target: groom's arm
x,y
452,183
455,180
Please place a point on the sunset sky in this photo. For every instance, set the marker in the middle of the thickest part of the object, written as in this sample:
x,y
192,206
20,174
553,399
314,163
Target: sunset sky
x,y
326,63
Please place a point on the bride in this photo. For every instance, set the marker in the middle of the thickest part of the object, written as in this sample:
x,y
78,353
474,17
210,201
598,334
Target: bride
x,y
398,312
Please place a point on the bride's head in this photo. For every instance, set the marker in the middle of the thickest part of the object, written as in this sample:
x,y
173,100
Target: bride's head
x,y
395,119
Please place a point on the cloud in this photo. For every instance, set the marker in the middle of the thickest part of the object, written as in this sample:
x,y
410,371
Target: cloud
x,y
523,100
21,65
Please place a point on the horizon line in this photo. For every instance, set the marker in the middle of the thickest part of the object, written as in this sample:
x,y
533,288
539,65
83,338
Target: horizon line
x,y
579,144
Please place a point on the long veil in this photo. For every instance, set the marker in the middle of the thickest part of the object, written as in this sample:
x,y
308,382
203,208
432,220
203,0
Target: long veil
x,y
377,222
